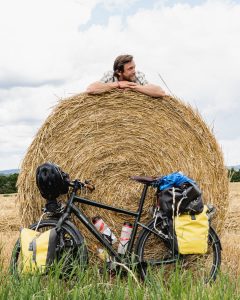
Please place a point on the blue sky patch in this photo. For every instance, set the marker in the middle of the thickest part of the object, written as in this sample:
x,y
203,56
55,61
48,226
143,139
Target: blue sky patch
x,y
101,13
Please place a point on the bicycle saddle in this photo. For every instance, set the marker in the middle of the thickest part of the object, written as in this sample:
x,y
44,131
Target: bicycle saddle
x,y
144,179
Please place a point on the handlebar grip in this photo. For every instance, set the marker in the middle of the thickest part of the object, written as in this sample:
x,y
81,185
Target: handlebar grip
x,y
89,186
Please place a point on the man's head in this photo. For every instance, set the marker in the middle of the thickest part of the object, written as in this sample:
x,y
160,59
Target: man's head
x,y
124,68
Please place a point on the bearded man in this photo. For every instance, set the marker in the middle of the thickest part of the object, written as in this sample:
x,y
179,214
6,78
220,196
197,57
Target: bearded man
x,y
124,76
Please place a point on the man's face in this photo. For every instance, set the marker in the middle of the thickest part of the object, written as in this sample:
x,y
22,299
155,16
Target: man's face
x,y
129,72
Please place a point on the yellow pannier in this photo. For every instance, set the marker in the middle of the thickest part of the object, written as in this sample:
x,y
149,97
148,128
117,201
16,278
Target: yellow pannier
x,y
192,232
38,250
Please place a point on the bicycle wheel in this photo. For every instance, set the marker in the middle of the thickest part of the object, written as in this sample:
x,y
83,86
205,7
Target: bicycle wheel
x,y
71,252
154,253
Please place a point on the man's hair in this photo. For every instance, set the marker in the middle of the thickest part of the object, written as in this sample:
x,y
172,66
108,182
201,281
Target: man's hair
x,y
119,63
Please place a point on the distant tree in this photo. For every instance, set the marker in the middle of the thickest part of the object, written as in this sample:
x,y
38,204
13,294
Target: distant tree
x,y
234,175
8,183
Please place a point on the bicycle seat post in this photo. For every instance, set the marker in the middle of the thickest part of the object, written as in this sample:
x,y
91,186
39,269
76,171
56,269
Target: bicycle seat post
x,y
142,199
139,211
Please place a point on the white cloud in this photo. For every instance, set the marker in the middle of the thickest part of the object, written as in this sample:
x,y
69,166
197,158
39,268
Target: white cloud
x,y
37,38
24,104
231,148
46,56
14,140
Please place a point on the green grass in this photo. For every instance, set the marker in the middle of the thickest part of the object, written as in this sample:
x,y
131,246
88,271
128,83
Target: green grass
x,y
91,284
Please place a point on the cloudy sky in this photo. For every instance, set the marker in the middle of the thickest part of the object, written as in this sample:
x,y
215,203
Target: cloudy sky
x,y
51,49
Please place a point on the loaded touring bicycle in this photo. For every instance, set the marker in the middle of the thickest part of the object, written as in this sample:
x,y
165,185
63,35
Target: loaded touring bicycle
x,y
150,247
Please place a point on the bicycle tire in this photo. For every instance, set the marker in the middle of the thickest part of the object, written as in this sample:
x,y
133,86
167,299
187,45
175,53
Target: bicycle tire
x,y
73,252
151,248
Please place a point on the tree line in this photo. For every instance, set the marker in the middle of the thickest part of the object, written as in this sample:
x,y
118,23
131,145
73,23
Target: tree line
x,y
234,175
8,184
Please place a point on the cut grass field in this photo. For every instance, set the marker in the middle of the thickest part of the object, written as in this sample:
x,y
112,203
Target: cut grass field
x,y
231,234
91,285
9,226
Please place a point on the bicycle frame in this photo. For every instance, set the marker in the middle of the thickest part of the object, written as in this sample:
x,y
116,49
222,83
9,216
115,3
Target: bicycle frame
x,y
72,208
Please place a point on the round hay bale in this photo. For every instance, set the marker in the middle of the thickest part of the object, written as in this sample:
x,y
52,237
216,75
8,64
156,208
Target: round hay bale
x,y
109,137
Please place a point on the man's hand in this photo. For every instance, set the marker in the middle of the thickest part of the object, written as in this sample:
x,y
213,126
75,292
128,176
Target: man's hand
x,y
126,84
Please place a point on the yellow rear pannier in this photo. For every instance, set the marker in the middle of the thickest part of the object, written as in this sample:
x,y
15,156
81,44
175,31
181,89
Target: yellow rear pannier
x,y
192,232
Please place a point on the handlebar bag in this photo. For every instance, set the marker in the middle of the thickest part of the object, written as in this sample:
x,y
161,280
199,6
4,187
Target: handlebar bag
x,y
38,250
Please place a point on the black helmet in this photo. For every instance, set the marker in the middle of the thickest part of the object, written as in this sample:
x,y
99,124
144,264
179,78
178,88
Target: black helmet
x,y
51,181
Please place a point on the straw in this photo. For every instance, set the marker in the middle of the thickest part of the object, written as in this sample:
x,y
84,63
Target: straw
x,y
109,137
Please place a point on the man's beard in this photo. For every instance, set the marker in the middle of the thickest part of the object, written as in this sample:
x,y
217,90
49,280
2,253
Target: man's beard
x,y
128,78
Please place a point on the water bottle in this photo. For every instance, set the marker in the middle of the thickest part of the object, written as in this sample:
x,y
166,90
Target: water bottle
x,y
104,229
125,237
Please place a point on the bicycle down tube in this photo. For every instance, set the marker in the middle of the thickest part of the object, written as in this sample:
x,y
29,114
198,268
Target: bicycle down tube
x,y
88,224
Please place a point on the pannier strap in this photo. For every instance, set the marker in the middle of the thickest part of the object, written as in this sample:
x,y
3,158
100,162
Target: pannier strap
x,y
145,179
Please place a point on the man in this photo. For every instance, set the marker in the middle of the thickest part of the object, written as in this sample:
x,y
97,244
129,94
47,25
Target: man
x,y
124,76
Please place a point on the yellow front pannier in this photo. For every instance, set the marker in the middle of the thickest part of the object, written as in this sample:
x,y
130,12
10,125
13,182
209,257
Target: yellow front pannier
x,y
38,250
192,232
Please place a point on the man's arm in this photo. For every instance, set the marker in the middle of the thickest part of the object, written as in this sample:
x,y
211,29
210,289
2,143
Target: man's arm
x,y
100,87
150,90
